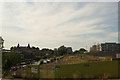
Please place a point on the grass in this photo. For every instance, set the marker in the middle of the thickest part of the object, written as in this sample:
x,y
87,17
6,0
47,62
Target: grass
x,y
108,69
73,68
26,72
47,71
30,74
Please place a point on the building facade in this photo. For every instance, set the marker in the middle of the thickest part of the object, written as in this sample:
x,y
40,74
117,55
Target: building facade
x,y
69,50
110,47
95,48
106,49
26,51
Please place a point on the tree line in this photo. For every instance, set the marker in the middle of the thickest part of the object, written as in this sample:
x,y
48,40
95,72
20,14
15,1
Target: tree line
x,y
13,58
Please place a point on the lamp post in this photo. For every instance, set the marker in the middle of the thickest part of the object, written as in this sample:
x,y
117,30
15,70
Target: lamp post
x,y
1,43
1,46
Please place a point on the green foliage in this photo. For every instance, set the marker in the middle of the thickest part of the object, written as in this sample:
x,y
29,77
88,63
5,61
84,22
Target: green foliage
x,y
76,51
13,48
56,52
62,50
81,51
10,59
37,58
47,52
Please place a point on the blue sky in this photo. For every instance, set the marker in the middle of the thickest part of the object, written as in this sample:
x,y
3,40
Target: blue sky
x,y
52,24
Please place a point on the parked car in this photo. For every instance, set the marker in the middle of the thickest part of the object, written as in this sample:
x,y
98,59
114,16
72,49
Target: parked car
x,y
44,61
48,61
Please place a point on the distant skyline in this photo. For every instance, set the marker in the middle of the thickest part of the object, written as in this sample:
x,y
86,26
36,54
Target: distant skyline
x,y
53,24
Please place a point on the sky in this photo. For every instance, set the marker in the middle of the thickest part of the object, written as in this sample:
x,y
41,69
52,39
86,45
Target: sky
x,y
53,24
59,0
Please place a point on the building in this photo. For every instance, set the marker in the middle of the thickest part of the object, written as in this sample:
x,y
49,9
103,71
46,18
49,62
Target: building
x,y
106,49
110,47
95,48
118,55
26,51
69,50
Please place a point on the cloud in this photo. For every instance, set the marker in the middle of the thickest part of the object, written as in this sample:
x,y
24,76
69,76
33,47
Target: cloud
x,y
1,9
55,24
59,0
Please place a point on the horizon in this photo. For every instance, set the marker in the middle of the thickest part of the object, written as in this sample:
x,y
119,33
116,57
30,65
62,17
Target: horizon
x,y
55,47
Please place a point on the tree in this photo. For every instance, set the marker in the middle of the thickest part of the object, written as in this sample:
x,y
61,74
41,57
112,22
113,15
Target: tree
x,y
10,59
47,52
28,46
76,51
18,45
62,50
82,50
13,48
55,52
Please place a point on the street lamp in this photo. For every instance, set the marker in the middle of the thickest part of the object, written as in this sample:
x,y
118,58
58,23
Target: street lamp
x,y
1,46
1,43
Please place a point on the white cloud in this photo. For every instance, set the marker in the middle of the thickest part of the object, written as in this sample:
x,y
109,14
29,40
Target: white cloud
x,y
51,24
59,0
1,9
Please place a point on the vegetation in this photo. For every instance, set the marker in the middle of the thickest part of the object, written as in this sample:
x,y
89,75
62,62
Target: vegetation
x,y
80,51
31,54
10,59
62,50
108,69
